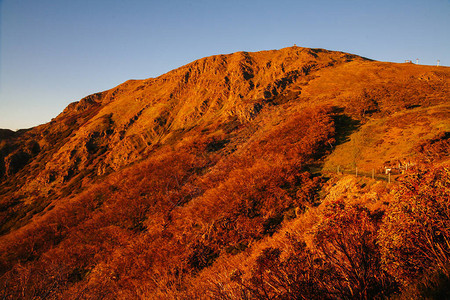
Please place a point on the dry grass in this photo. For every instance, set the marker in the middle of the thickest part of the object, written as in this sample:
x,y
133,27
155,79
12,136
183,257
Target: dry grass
x,y
386,141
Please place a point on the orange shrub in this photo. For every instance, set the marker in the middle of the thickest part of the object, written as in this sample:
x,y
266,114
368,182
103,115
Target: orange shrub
x,y
346,238
415,235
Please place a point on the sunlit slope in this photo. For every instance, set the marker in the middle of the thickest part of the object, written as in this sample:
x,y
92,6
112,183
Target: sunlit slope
x,y
210,182
109,130
395,139
247,91
396,109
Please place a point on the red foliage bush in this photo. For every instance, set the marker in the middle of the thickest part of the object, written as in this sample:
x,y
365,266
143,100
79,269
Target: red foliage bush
x,y
415,235
346,238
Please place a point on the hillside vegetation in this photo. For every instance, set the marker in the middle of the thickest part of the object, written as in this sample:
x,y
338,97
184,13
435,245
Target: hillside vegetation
x,y
219,180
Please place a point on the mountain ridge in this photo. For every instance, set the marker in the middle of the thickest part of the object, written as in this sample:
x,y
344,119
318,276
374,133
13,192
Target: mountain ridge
x,y
212,89
219,87
147,94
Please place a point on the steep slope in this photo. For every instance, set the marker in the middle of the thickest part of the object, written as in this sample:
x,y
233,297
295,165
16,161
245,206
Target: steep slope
x,y
147,189
106,131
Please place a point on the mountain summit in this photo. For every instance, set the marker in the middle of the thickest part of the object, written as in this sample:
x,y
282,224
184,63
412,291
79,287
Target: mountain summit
x,y
144,189
106,131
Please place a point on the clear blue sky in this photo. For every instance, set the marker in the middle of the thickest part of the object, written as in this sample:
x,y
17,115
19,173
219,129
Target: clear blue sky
x,y
53,52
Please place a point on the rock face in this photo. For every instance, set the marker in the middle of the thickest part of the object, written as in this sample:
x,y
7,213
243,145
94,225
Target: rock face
x,y
109,130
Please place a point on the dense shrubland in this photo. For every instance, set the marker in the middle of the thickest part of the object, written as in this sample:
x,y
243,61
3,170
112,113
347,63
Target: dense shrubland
x,y
254,225
178,211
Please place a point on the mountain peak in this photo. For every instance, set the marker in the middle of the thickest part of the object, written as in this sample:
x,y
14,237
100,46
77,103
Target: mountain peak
x,y
106,131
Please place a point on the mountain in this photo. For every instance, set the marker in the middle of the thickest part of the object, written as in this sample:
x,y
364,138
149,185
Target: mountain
x,y
146,189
